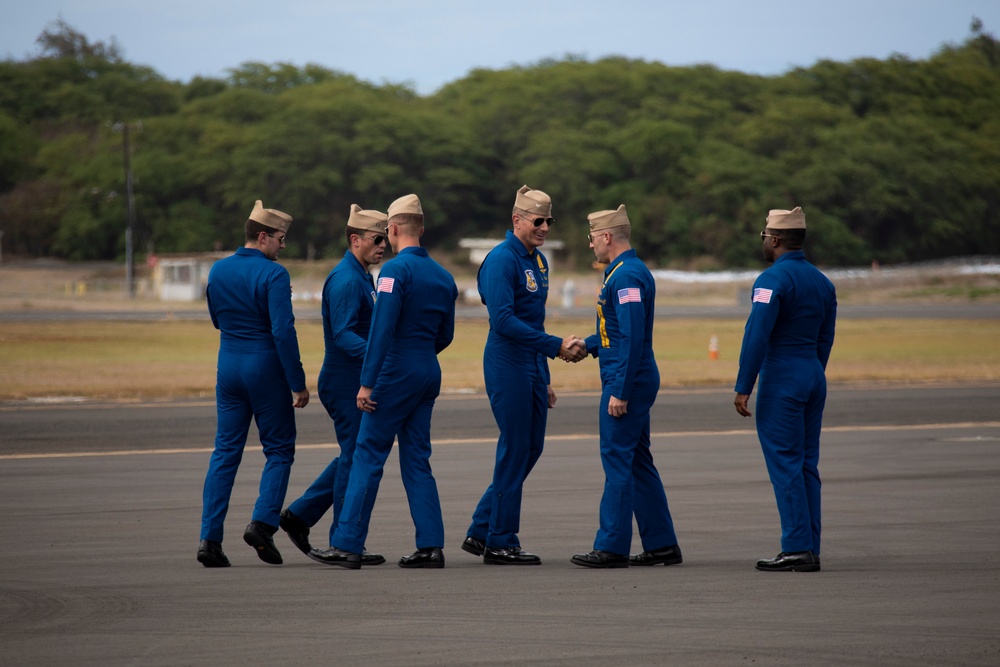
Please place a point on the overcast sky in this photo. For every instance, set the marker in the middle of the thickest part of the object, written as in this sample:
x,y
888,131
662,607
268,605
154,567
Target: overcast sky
x,y
428,43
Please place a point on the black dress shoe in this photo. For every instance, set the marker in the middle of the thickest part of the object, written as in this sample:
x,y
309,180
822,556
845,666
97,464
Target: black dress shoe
x,y
598,558
667,556
297,530
509,556
259,535
474,546
800,561
428,557
368,558
335,556
210,554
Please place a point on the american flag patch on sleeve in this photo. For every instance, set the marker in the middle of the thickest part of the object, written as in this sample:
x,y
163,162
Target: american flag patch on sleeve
x,y
385,284
761,295
629,295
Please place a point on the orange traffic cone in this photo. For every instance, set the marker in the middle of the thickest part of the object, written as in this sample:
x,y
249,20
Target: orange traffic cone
x,y
713,348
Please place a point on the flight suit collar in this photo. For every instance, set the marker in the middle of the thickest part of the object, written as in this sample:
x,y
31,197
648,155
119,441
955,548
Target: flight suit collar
x,y
518,244
414,250
356,265
790,255
628,254
250,252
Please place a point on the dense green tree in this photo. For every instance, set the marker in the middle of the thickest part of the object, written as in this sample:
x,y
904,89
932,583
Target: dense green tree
x,y
895,159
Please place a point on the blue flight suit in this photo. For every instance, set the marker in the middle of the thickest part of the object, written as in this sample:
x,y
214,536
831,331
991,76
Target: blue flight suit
x,y
250,302
413,320
787,341
624,346
513,282
348,300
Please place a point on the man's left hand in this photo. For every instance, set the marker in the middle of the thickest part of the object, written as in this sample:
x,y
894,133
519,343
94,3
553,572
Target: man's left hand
x,y
617,407
365,401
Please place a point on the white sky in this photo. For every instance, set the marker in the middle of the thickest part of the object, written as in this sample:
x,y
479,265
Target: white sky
x,y
428,43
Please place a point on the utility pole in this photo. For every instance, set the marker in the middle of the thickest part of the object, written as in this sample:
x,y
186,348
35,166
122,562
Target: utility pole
x,y
129,260
130,206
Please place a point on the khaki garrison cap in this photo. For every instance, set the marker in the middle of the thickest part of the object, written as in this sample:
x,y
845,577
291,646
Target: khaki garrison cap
x,y
780,219
364,220
533,201
601,220
270,217
406,204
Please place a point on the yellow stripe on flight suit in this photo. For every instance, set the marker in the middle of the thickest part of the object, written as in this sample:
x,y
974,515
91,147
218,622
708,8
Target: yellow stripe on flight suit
x,y
600,313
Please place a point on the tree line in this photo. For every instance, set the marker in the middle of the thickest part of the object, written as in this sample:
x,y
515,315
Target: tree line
x,y
893,160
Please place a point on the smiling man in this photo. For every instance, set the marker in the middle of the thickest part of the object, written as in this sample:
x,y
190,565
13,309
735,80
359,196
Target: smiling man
x,y
513,282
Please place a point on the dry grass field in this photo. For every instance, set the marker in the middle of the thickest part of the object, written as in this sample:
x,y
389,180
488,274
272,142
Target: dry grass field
x,y
175,357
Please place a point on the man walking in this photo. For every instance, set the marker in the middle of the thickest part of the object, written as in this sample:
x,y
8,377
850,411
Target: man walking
x,y
787,343
413,321
513,282
250,302
630,381
348,301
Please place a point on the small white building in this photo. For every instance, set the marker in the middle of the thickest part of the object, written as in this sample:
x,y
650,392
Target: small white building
x,y
479,248
182,277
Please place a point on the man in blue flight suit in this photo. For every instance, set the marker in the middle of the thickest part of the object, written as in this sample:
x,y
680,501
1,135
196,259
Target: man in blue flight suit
x,y
250,301
630,381
513,282
413,320
348,300
787,342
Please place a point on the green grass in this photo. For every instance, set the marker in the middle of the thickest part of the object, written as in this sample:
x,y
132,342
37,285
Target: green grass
x,y
172,358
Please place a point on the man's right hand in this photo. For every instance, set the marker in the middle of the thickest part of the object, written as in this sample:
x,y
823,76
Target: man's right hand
x,y
573,349
741,401
300,398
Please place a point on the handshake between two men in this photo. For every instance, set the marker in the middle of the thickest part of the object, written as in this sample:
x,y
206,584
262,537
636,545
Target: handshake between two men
x,y
573,349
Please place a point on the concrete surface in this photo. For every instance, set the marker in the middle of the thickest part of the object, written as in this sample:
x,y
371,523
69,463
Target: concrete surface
x,y
102,504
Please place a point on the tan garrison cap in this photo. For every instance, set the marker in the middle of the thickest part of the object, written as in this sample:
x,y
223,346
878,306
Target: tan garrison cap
x,y
270,217
780,219
601,220
533,201
365,220
406,204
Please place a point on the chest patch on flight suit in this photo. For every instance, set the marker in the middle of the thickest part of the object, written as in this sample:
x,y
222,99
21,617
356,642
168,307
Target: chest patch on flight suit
x,y
529,280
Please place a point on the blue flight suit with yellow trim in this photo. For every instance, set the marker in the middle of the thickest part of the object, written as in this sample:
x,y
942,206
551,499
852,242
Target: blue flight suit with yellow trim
x,y
787,341
624,346
250,302
413,320
513,282
348,300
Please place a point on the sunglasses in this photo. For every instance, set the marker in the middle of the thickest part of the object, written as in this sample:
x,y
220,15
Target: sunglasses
x,y
764,234
377,240
280,239
537,222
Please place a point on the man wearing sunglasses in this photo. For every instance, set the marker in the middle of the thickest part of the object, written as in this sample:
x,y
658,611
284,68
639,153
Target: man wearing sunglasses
x,y
413,321
630,381
348,301
787,343
513,282
250,302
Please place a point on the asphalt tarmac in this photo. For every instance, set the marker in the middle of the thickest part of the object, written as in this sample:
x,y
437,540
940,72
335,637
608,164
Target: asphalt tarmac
x,y
102,501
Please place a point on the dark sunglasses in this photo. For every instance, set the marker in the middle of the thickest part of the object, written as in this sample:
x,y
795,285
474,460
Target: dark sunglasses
x,y
537,222
377,240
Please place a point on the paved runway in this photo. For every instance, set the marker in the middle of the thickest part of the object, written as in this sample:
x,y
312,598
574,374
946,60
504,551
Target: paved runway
x,y
102,502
